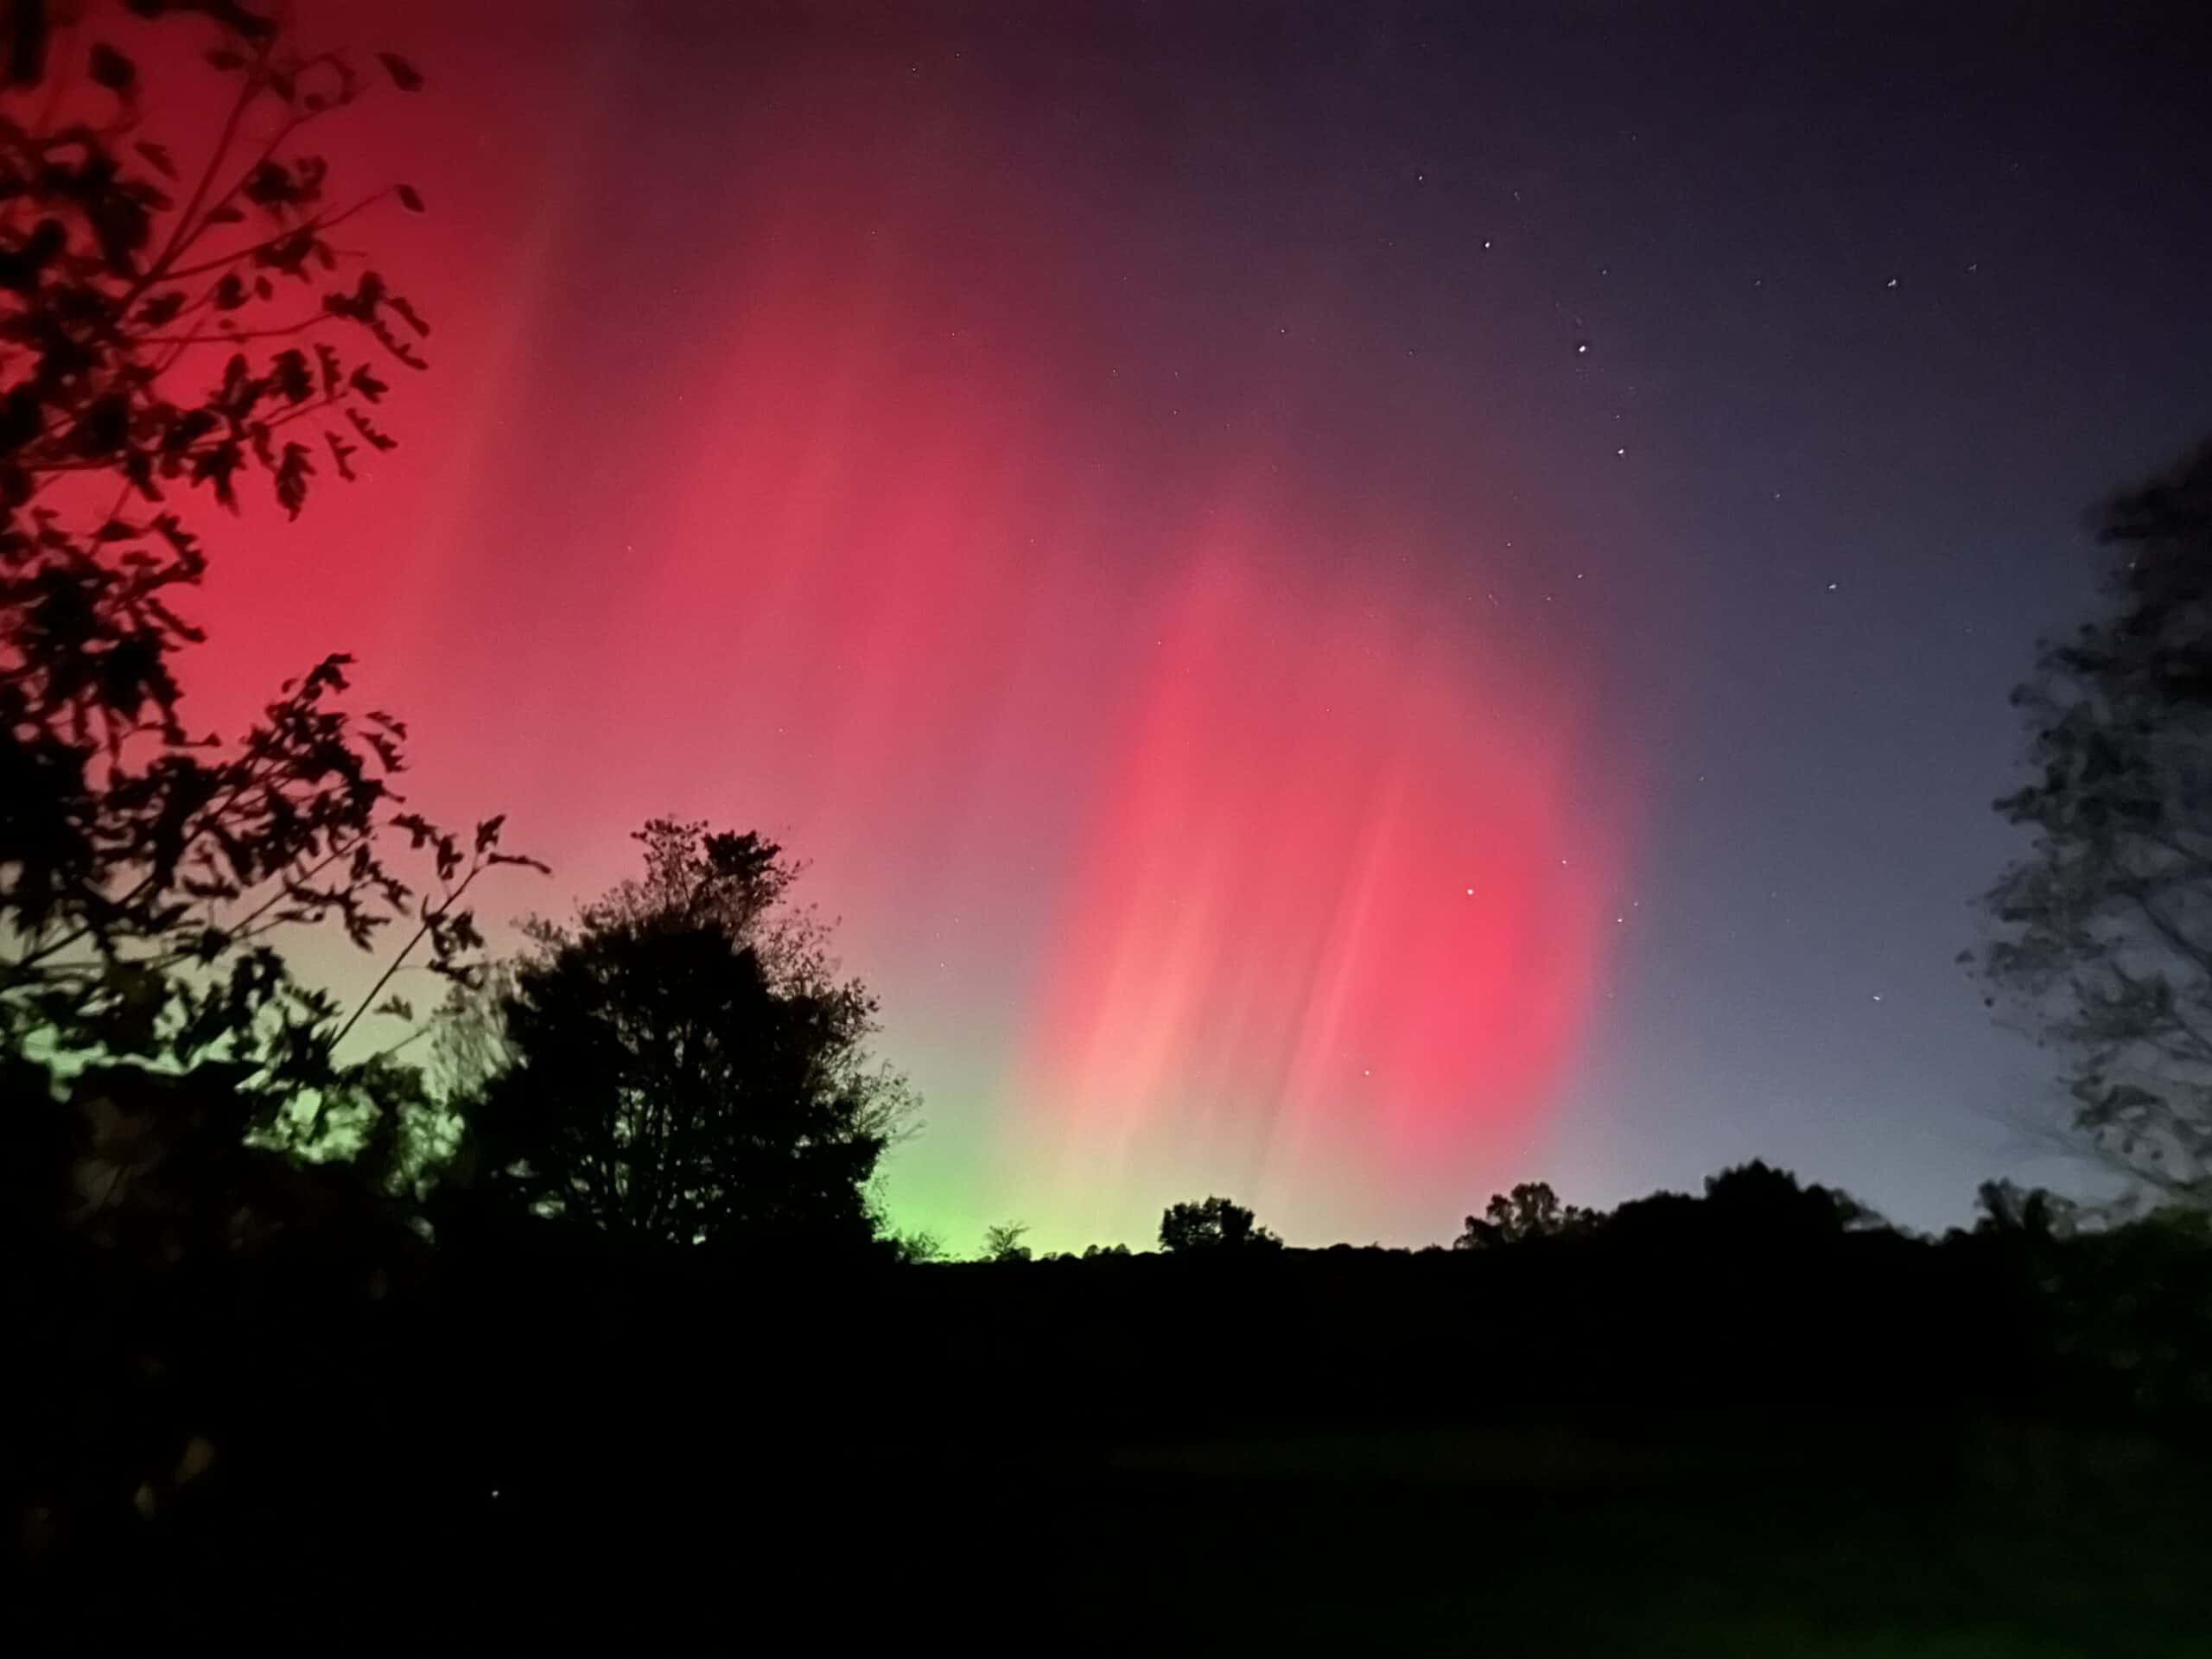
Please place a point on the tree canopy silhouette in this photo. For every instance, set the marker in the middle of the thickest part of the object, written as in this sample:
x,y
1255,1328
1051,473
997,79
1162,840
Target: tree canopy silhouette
x,y
2006,1209
1213,1224
162,336
1532,1209
2102,940
1774,1202
167,338
686,1067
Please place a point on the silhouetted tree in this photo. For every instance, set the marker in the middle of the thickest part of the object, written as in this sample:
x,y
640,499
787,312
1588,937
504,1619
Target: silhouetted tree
x,y
1003,1243
1214,1223
914,1248
687,1066
1532,1209
2103,935
145,866
2006,1209
1759,1196
166,337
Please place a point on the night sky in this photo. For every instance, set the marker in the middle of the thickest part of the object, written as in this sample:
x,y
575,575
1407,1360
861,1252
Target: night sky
x,y
1351,604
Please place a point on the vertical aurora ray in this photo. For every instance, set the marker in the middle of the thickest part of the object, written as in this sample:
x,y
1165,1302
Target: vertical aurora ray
x,y
1335,923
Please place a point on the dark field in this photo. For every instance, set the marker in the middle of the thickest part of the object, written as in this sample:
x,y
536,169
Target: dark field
x,y
1857,1445
1694,1537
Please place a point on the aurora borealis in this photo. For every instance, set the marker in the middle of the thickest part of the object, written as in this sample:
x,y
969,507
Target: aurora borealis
x,y
1331,630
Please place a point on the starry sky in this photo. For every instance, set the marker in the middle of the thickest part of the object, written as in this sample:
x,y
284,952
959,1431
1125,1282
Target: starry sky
x,y
1350,604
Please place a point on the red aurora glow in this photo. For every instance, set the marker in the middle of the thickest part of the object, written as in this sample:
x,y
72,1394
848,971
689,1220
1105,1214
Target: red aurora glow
x,y
848,494
1337,902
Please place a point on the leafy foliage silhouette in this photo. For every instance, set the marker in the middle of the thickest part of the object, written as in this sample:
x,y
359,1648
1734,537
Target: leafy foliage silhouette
x,y
2102,937
151,357
687,1066
2004,1209
1213,1224
1776,1202
1531,1210
143,866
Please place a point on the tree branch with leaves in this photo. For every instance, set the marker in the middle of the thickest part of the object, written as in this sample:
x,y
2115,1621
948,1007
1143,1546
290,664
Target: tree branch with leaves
x,y
2101,937
146,867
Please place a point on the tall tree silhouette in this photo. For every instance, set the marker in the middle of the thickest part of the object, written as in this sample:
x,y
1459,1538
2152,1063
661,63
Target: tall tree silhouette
x,y
687,1066
2103,930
